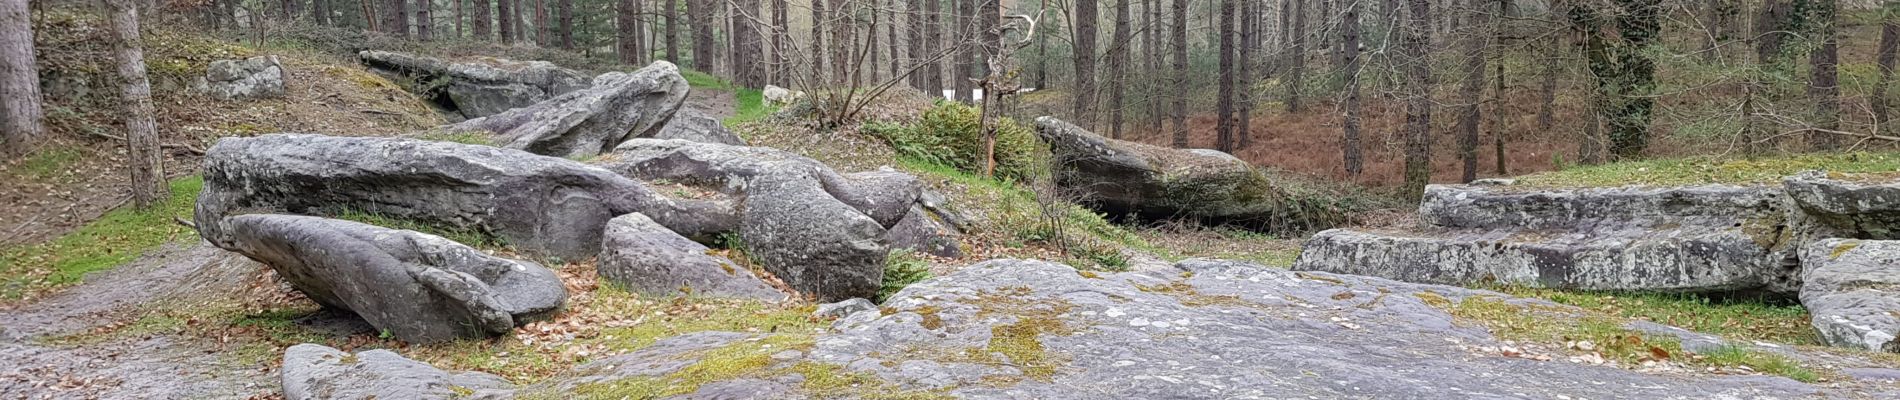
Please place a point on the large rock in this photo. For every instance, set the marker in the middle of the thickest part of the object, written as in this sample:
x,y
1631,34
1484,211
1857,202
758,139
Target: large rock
x,y
822,232
691,124
318,372
1860,206
619,106
649,258
479,87
252,78
542,205
1698,239
1126,178
1852,288
418,287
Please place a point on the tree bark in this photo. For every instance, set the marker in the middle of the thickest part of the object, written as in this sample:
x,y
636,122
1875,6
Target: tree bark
x,y
1085,18
566,26
1824,86
1249,33
1771,24
1349,37
1118,68
781,28
933,45
819,19
504,17
541,25
1471,90
967,51
671,19
396,18
705,51
461,7
1152,59
1180,73
481,20
1417,89
425,27
141,133
21,114
750,70
320,12
1884,58
627,31
1224,102
1297,57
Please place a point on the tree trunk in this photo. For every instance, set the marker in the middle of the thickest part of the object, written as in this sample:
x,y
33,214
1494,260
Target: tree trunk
x,y
369,15
1249,32
781,28
1771,24
1349,37
1118,68
504,17
705,51
933,45
1547,91
627,31
966,50
541,25
481,19
844,38
1884,57
21,116
1824,83
1152,59
1224,100
141,133
870,42
425,28
1297,57
320,12
460,13
1471,91
1417,89
914,22
750,70
671,19
566,26
1085,18
1180,73
890,39
818,60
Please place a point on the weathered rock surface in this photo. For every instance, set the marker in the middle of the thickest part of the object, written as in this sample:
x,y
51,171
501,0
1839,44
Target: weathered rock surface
x,y
649,258
619,106
1127,178
418,287
317,372
1858,207
921,230
481,87
691,124
1852,288
843,308
1017,329
252,78
541,205
1695,239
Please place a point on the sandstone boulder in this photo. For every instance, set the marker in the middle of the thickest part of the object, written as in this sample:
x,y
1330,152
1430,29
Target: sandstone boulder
x,y
1852,288
546,206
651,259
478,87
617,107
318,372
1858,206
1121,178
418,287
252,78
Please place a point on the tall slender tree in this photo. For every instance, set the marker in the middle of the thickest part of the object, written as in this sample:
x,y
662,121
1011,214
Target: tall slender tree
x,y
1243,69
1417,89
705,50
819,19
425,23
1884,58
749,70
1118,68
1349,37
1471,89
396,18
504,17
480,20
781,28
1296,58
670,15
1180,26
21,114
627,31
141,132
565,25
1085,53
933,45
1824,83
1224,103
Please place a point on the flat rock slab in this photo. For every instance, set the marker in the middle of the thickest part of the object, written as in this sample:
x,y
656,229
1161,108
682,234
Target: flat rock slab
x,y
1677,259
1502,206
1852,288
650,259
541,205
414,286
481,86
317,372
616,107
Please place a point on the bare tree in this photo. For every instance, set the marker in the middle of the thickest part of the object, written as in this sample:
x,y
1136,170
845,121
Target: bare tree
x,y
1118,68
1349,36
396,18
1824,84
671,19
1417,89
21,116
1471,90
141,133
749,70
1083,27
1249,35
1296,58
818,21
627,31
425,26
1180,73
1884,57
1224,103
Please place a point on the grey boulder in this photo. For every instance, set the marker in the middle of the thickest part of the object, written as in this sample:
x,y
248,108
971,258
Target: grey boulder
x,y
651,259
619,106
318,372
415,286
478,87
546,206
252,78
1857,206
691,124
1121,178
926,232
1852,288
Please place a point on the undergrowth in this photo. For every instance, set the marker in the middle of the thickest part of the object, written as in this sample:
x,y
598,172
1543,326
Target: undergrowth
x,y
951,134
1712,170
1733,319
468,237
1010,212
117,237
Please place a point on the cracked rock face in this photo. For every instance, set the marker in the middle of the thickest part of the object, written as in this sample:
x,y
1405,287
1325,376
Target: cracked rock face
x,y
315,372
541,205
1852,288
650,259
1693,239
617,107
479,88
418,287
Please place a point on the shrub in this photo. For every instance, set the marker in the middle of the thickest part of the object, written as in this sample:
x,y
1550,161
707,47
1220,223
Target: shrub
x,y
952,134
902,268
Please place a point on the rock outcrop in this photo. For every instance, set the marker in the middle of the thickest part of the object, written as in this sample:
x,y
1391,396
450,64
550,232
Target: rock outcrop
x,y
252,78
1858,206
1206,329
546,206
415,286
1121,178
822,232
317,372
1694,239
651,259
480,87
1852,288
617,107
692,125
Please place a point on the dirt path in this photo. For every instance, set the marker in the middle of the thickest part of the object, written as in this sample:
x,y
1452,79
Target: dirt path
x,y
716,103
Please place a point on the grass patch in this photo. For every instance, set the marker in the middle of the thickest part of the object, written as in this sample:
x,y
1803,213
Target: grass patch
x,y
751,107
1767,363
1738,319
471,238
117,237
702,80
1009,212
465,137
902,268
1712,170
742,359
47,163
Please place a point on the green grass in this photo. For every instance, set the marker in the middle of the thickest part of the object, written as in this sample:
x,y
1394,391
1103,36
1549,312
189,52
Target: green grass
x,y
117,237
751,107
1710,170
1011,210
46,164
1767,363
702,80
467,137
1736,319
